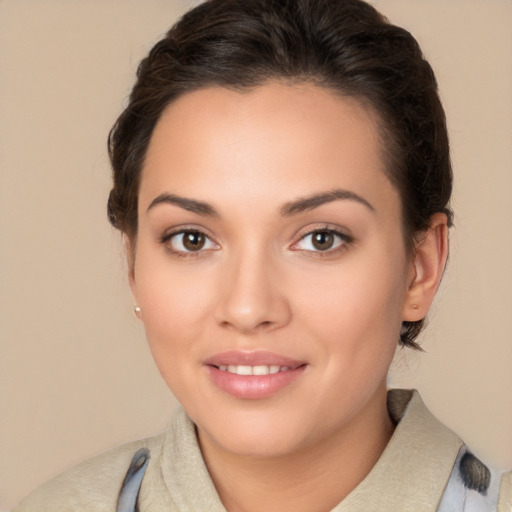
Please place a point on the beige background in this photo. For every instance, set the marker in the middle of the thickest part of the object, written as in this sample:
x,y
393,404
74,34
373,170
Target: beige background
x,y
76,376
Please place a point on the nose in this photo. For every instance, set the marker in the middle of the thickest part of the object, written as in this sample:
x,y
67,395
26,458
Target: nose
x,y
252,296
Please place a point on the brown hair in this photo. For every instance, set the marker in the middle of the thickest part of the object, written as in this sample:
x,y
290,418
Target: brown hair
x,y
343,45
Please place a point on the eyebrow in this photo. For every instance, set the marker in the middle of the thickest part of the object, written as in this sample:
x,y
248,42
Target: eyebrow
x,y
300,205
191,205
304,204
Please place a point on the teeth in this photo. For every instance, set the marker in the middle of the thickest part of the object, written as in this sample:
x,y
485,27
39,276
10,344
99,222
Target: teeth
x,y
253,370
240,370
260,370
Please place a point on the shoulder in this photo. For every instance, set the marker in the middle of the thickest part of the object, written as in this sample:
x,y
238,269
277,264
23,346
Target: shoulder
x,y
92,485
436,465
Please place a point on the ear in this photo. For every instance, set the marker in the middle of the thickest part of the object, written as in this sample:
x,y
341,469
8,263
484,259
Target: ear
x,y
129,250
427,267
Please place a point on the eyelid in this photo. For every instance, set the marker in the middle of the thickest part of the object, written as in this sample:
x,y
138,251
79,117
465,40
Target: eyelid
x,y
168,236
344,238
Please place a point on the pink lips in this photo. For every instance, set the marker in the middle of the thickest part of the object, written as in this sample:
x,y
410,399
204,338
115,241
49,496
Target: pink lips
x,y
282,371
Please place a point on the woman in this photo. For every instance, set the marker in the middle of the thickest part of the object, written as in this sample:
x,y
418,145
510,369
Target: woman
x,y
282,182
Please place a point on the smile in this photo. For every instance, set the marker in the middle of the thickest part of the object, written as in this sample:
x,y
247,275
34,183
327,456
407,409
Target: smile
x,y
253,370
253,375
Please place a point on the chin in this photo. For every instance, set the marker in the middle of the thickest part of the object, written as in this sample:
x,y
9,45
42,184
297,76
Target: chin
x,y
259,434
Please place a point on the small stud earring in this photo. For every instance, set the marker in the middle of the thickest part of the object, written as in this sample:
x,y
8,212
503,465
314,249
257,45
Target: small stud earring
x,y
136,310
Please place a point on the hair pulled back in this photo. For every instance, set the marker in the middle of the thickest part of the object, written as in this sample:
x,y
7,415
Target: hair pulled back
x,y
343,45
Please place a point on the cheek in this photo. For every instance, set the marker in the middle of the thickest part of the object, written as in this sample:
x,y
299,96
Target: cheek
x,y
175,302
174,314
358,305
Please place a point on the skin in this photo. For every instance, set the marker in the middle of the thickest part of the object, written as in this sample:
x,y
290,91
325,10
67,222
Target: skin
x,y
259,283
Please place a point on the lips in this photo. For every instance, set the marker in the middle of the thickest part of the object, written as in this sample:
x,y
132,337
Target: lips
x,y
253,375
252,358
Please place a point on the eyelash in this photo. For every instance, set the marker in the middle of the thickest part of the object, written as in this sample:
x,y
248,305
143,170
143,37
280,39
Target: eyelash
x,y
343,242
168,237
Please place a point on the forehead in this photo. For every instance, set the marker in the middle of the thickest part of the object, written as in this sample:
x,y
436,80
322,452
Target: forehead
x,y
274,139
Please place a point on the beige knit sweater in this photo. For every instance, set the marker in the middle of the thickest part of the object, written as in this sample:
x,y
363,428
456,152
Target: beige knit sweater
x,y
410,475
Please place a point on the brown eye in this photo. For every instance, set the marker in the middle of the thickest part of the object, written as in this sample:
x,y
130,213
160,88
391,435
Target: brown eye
x,y
322,240
189,241
193,240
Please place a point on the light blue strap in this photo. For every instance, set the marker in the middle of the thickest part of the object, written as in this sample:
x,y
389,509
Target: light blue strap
x,y
472,486
127,501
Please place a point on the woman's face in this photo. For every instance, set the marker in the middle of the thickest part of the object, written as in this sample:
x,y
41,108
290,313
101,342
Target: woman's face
x,y
270,265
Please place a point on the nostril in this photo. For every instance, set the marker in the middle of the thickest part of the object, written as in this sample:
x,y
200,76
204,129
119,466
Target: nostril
x,y
247,309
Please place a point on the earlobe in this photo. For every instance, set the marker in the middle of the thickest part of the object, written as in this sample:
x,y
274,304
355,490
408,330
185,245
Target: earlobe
x,y
129,250
429,260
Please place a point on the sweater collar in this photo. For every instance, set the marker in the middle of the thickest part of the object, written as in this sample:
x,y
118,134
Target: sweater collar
x,y
410,474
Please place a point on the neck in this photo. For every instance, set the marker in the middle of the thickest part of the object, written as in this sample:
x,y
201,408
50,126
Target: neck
x,y
314,478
